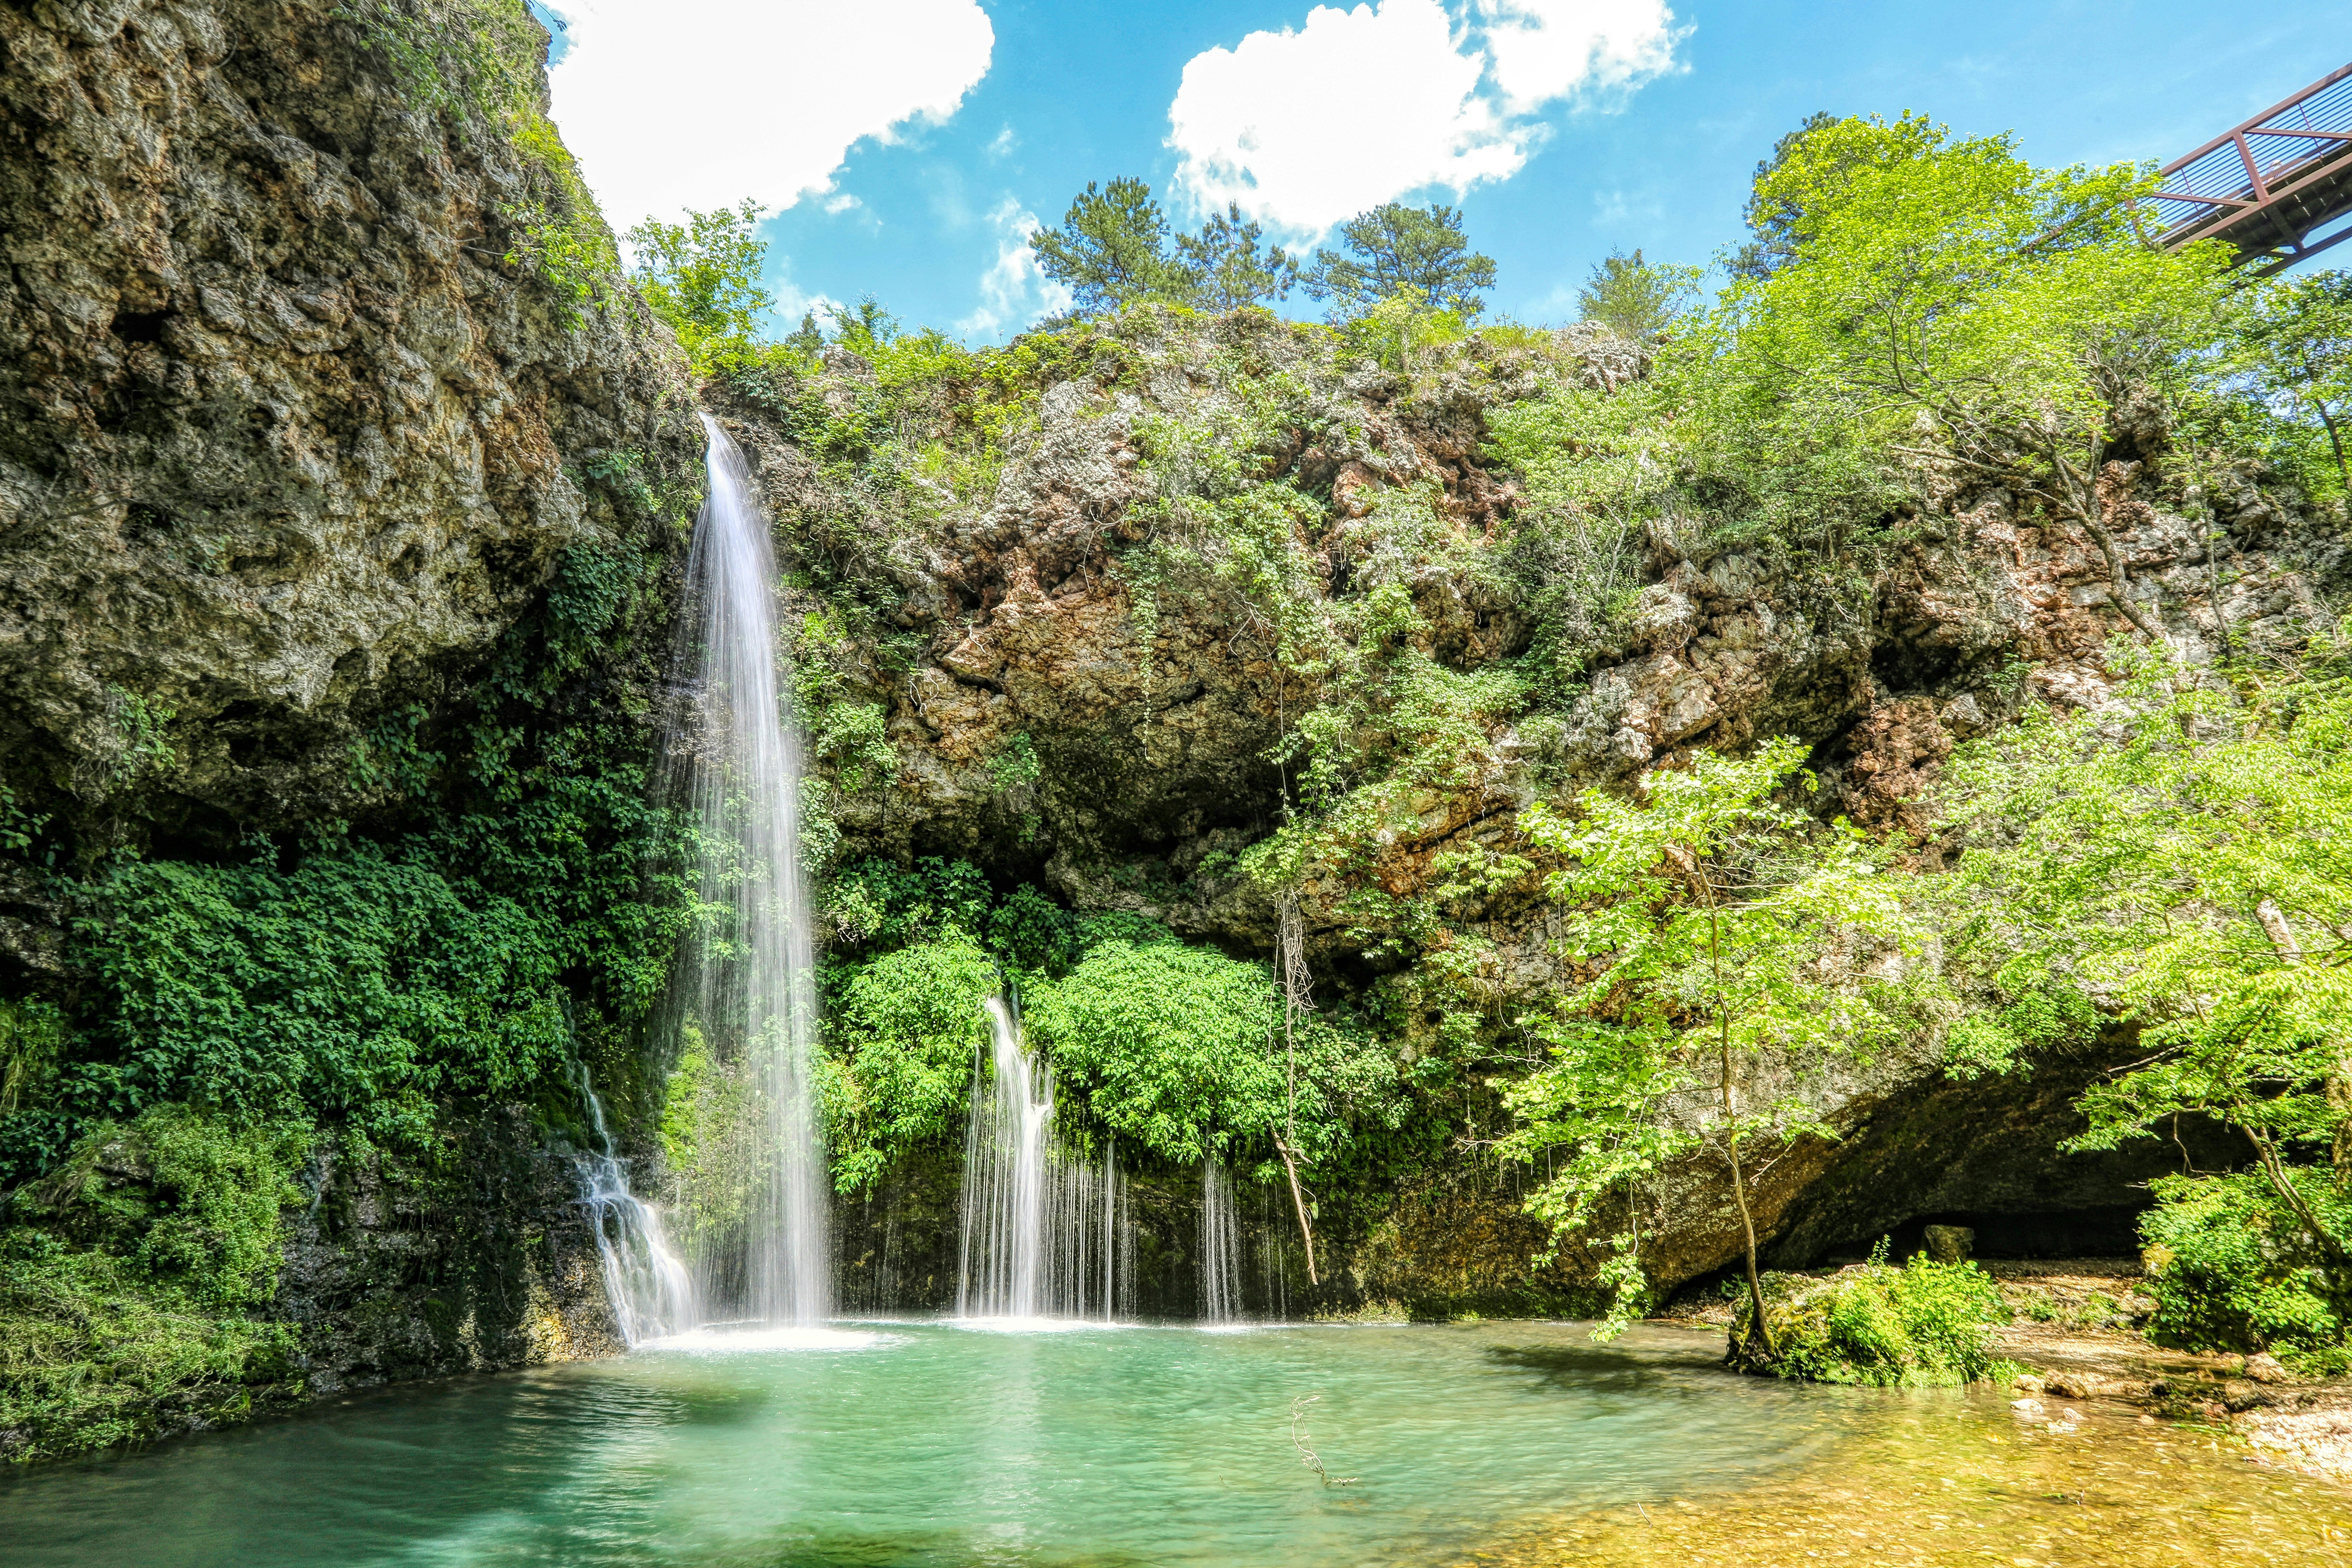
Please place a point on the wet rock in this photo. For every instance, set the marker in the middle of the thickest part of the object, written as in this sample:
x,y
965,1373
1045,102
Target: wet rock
x,y
1949,1243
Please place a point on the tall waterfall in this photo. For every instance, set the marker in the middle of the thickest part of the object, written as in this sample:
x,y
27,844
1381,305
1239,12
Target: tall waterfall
x,y
745,773
1044,1236
1220,1246
645,1283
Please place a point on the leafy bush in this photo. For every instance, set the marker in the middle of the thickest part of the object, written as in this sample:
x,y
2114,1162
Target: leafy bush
x,y
1924,1323
359,985
1179,1049
908,1025
1167,1044
128,1276
2231,1268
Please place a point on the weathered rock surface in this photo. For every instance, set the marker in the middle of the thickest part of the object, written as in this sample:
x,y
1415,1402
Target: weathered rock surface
x,y
483,1263
285,439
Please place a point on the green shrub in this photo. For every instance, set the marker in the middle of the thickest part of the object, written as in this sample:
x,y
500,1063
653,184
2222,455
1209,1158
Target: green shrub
x,y
358,985
2232,1268
1924,1323
907,1027
1180,1049
129,1276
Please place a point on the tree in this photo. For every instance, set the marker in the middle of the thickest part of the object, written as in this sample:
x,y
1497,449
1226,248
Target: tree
x,y
1636,299
1926,313
806,340
1223,268
1768,218
1722,935
1112,249
1400,252
2186,856
2301,336
864,327
702,276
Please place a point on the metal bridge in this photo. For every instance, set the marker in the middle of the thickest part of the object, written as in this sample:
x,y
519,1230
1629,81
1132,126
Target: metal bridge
x,y
2271,185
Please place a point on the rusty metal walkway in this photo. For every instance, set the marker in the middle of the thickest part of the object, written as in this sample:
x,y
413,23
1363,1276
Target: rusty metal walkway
x,y
2271,185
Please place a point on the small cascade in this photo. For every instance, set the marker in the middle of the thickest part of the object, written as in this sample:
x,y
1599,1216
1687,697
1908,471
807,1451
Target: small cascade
x,y
1045,1234
1220,1246
741,764
645,1283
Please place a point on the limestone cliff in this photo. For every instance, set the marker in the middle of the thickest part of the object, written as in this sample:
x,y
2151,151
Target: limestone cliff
x,y
299,428
291,430
1015,618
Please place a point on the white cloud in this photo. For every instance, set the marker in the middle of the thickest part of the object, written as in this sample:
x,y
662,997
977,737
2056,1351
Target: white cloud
x,y
1004,145
791,304
841,204
1308,127
1013,292
671,104
1547,49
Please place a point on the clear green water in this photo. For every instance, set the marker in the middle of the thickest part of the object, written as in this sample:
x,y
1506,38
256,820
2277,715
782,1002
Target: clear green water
x,y
927,1444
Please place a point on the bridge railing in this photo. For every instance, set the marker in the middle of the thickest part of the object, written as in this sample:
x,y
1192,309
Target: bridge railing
x,y
2268,181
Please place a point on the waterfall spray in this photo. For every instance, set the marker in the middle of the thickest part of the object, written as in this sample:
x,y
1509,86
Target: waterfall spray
x,y
1220,1246
646,1284
743,769
1045,1234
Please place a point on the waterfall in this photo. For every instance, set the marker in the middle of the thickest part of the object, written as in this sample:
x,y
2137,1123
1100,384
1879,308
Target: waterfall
x,y
1220,1246
1045,1234
646,1284
743,769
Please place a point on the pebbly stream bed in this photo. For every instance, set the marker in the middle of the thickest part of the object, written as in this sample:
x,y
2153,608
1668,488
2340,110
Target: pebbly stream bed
x,y
927,1443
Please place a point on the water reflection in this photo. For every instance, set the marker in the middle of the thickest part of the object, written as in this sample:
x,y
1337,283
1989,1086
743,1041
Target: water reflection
x,y
930,1445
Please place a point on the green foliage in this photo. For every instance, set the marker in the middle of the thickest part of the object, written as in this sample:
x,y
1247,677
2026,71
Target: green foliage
x,y
712,1138
702,277
2232,1267
1926,322
1636,299
1717,931
1170,1048
2298,343
127,1275
908,1027
1114,249
530,910
1397,252
358,985
1926,1323
141,729
878,904
1167,1044
1225,267
481,63
845,727
1771,216
32,1034
2183,853
1111,249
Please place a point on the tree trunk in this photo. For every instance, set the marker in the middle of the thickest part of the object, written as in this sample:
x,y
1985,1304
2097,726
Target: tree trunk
x,y
2273,922
2335,439
2089,511
1730,1112
1290,958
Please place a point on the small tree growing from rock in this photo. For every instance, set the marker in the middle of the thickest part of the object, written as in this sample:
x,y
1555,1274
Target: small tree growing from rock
x,y
1729,946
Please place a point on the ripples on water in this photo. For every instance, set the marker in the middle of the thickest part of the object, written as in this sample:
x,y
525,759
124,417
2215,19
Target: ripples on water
x,y
927,1444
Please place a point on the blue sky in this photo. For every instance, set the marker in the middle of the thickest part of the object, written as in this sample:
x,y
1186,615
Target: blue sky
x,y
902,146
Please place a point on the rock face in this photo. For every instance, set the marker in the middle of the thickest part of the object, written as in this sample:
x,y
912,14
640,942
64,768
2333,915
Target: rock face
x,y
1152,715
482,1264
284,439
293,430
